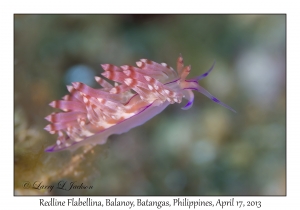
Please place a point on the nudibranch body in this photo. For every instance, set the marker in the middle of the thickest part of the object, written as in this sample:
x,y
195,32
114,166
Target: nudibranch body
x,y
91,115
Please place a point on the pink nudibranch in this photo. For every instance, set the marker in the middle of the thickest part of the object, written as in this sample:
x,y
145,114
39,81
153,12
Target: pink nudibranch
x,y
91,115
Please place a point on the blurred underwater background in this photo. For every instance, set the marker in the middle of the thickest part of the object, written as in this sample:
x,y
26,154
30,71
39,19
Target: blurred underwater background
x,y
206,150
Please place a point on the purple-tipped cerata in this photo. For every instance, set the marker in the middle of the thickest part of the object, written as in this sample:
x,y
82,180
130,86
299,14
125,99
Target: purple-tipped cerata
x,y
91,115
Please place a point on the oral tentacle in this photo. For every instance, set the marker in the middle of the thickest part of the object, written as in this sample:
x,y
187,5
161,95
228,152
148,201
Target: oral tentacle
x,y
214,99
202,76
189,95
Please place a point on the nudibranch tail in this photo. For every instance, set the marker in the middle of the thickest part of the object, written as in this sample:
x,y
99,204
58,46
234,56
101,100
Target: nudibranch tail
x,y
91,115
